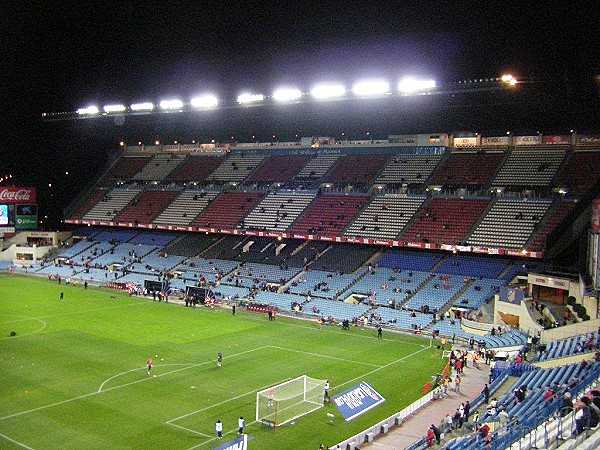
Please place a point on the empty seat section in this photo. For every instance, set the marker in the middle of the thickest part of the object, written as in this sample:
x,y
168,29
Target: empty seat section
x,y
228,210
195,169
581,172
437,293
457,170
88,203
385,217
473,266
316,167
530,167
147,206
445,221
356,170
184,209
235,168
321,284
556,216
330,214
409,260
388,287
158,167
191,244
344,258
124,169
278,169
509,223
408,169
277,211
111,204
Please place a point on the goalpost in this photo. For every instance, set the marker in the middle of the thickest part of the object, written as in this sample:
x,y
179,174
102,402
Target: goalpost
x,y
287,401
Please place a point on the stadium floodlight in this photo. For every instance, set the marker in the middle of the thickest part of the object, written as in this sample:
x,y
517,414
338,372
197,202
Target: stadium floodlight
x,y
250,98
171,104
145,106
411,85
204,101
88,111
327,91
287,95
506,78
113,108
370,88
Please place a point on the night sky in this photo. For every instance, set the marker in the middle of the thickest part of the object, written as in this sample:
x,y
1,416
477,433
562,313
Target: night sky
x,y
59,56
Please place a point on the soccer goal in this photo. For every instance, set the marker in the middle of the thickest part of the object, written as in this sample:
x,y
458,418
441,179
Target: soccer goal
x,y
287,401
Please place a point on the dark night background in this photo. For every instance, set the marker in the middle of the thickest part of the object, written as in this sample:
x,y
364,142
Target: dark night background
x,y
58,56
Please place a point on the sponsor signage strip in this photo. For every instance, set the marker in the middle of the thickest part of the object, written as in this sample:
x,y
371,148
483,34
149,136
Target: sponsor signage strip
x,y
17,195
357,400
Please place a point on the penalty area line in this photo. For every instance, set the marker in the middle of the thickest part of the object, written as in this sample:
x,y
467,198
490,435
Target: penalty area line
x,y
325,356
17,443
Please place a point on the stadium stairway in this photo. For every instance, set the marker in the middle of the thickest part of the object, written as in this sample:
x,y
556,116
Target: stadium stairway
x,y
415,427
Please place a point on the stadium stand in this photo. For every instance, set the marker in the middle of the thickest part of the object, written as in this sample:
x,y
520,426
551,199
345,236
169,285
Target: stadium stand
x,y
278,169
457,170
317,167
385,217
338,310
194,169
111,204
387,287
344,258
557,214
536,166
153,238
124,169
158,167
146,207
408,170
356,170
509,223
445,220
277,211
322,284
329,214
184,209
306,253
235,169
229,247
473,266
580,173
88,203
409,260
227,210
584,343
437,293
115,235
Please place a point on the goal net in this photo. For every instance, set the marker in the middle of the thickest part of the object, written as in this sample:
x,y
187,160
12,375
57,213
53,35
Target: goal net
x,y
287,401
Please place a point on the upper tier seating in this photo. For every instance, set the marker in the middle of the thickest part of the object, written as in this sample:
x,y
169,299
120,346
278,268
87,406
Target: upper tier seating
x,y
445,221
317,167
236,168
195,168
345,258
111,204
530,167
555,217
385,217
184,209
278,210
146,207
158,167
278,168
356,170
408,169
581,172
94,197
228,210
509,223
329,214
124,169
457,170
409,260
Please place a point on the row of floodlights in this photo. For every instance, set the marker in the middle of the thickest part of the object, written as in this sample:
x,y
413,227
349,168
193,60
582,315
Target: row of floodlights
x,y
319,92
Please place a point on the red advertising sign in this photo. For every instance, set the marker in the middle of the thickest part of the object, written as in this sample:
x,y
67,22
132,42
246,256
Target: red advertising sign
x,y
17,195
557,140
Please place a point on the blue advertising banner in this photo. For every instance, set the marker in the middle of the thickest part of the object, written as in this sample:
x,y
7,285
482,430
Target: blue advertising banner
x,y
240,443
357,400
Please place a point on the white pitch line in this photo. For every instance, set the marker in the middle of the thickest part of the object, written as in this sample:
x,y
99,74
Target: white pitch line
x,y
190,430
69,400
24,318
17,443
324,356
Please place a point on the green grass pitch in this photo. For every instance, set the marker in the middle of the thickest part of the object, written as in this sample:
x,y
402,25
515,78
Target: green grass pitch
x,y
74,375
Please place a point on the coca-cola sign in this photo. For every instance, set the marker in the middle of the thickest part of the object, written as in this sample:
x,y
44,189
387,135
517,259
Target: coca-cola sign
x,y
17,195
